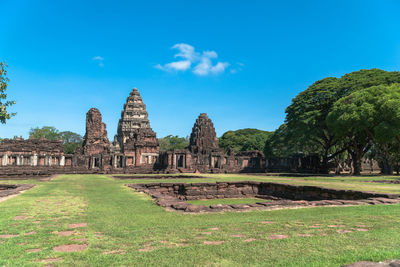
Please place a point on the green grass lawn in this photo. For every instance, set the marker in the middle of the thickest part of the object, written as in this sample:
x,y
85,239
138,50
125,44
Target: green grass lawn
x,y
125,228
227,201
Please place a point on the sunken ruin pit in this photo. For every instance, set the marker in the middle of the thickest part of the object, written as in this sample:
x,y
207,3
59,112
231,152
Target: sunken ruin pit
x,y
173,196
126,177
13,189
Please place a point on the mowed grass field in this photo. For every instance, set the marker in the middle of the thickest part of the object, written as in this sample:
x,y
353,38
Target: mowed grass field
x,y
112,225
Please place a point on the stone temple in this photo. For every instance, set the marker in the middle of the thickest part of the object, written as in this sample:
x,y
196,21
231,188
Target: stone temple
x,y
135,149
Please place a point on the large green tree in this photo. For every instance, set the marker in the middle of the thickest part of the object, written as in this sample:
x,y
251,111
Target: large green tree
x,y
306,117
244,139
366,117
71,141
4,103
279,144
171,142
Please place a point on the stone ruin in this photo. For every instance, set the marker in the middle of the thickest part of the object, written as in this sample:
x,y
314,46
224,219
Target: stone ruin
x,y
271,195
135,149
204,155
95,139
203,138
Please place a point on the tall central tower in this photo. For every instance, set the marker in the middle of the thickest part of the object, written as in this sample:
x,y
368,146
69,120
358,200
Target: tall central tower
x,y
136,139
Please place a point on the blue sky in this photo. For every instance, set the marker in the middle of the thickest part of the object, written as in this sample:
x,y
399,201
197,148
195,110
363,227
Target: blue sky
x,y
239,61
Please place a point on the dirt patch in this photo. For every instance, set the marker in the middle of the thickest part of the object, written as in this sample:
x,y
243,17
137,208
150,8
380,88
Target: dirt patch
x,y
77,225
266,222
250,240
65,233
388,263
362,230
70,248
20,217
32,250
22,244
213,242
214,229
342,231
8,236
278,236
238,235
31,233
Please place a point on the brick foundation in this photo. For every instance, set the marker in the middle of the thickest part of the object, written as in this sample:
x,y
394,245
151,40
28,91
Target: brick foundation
x,y
174,195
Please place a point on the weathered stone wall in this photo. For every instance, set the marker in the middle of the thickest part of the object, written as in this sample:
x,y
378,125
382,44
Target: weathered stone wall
x,y
246,189
296,163
20,145
272,195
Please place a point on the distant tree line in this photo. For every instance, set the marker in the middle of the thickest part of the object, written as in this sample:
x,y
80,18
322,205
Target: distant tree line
x,y
244,140
171,142
70,140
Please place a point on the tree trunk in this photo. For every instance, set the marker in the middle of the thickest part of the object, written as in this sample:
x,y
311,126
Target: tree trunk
x,y
356,164
324,168
356,160
386,168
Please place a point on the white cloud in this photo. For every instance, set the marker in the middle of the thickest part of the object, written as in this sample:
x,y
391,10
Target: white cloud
x,y
202,62
220,67
186,51
175,66
99,60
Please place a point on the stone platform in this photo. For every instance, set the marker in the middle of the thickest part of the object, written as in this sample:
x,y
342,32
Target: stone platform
x,y
272,195
122,177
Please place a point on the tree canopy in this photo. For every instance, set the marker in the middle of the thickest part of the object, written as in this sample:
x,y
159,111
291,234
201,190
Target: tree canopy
x,y
70,139
365,117
171,142
244,139
306,127
4,103
47,132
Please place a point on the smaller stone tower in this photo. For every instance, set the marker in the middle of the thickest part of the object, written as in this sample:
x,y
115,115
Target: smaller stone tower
x,y
203,138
